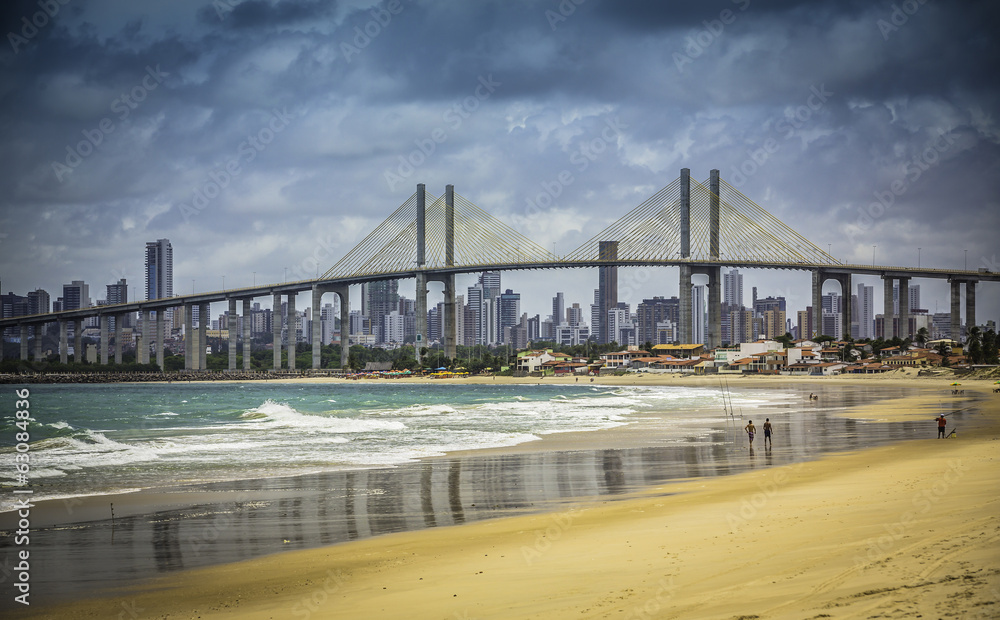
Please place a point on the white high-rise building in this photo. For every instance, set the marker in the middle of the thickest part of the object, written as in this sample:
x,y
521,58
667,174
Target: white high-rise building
x,y
394,327
328,323
697,314
866,311
558,308
732,288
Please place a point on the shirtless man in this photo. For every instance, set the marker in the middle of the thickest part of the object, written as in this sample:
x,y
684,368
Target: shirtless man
x,y
767,432
750,429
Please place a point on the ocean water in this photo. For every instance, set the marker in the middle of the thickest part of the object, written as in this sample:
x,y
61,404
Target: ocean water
x,y
95,439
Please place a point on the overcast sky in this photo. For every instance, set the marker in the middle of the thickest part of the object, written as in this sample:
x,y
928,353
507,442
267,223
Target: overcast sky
x,y
118,115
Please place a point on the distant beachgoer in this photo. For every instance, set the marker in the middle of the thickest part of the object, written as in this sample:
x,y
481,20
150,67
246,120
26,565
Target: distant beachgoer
x,y
750,429
767,432
942,423
810,395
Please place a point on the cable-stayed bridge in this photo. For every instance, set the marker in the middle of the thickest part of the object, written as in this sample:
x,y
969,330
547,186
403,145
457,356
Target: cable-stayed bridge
x,y
697,227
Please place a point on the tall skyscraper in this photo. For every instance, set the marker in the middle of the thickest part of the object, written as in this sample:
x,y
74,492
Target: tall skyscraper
x,y
160,276
491,284
595,316
383,298
574,315
159,269
558,309
732,289
607,287
76,295
866,311
474,319
697,314
650,313
774,323
117,293
39,301
509,314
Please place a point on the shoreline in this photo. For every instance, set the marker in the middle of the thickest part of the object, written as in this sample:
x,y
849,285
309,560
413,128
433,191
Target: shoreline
x,y
627,435
888,541
556,443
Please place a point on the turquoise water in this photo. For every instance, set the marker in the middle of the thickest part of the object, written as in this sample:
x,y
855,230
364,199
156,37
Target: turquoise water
x,y
91,439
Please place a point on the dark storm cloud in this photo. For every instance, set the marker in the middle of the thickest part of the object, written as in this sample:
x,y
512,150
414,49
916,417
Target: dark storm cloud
x,y
364,86
259,14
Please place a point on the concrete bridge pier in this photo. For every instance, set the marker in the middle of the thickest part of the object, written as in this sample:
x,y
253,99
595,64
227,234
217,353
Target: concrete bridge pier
x,y
189,352
78,355
956,310
421,305
888,309
421,310
293,338
119,329
956,306
247,332
450,318
344,292
203,321
140,338
903,328
685,328
39,330
819,278
105,345
24,343
232,326
160,320
63,342
970,303
317,328
276,330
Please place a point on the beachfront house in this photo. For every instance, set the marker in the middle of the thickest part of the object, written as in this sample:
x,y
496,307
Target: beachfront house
x,y
622,359
534,360
683,351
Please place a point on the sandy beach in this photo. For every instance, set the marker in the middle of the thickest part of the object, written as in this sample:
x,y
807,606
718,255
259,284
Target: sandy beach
x,y
902,530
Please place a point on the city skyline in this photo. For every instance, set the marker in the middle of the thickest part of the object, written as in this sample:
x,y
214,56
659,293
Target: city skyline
x,y
883,154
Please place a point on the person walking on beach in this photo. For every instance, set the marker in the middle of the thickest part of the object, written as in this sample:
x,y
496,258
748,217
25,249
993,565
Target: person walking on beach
x,y
767,432
942,423
750,429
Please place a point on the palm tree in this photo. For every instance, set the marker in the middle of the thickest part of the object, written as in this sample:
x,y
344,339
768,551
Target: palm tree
x,y
922,336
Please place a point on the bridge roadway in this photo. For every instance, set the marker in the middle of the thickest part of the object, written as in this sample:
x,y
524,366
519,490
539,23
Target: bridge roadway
x,y
340,286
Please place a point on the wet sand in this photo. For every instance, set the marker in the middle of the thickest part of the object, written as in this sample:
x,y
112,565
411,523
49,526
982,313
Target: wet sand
x,y
663,520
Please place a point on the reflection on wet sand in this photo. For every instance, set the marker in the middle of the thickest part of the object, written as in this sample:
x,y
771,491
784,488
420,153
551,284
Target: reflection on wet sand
x,y
272,515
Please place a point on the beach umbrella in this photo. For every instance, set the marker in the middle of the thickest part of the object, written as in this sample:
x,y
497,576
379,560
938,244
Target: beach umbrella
x,y
956,384
443,368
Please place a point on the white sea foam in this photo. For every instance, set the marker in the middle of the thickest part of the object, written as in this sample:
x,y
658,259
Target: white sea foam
x,y
273,414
